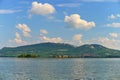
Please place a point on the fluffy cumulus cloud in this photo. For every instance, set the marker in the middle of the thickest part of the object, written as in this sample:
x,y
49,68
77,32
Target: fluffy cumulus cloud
x,y
42,9
25,29
75,21
43,31
18,38
112,16
114,25
115,35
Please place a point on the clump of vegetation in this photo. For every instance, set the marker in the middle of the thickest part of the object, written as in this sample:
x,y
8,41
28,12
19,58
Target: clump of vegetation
x,y
28,56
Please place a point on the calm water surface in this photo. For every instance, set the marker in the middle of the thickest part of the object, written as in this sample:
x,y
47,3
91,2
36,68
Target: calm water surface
x,y
59,69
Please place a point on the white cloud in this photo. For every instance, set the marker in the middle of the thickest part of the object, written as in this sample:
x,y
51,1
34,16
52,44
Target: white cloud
x,y
112,16
75,21
110,43
43,31
54,40
44,38
105,40
118,15
69,5
42,9
8,11
25,29
115,25
18,38
115,35
77,37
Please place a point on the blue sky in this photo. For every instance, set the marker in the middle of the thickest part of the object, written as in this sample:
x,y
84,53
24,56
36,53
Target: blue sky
x,y
76,22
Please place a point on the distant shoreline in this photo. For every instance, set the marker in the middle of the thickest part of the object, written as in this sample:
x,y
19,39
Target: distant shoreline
x,y
54,58
60,50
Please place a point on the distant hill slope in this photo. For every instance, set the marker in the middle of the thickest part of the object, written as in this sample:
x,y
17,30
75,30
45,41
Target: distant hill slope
x,y
55,49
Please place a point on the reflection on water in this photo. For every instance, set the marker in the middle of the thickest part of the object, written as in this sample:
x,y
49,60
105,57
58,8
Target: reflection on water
x,y
59,69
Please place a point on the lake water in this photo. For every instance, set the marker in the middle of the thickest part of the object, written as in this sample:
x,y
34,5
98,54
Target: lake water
x,y
59,69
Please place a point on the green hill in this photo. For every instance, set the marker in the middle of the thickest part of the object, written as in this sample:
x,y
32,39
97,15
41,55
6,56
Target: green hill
x,y
59,50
